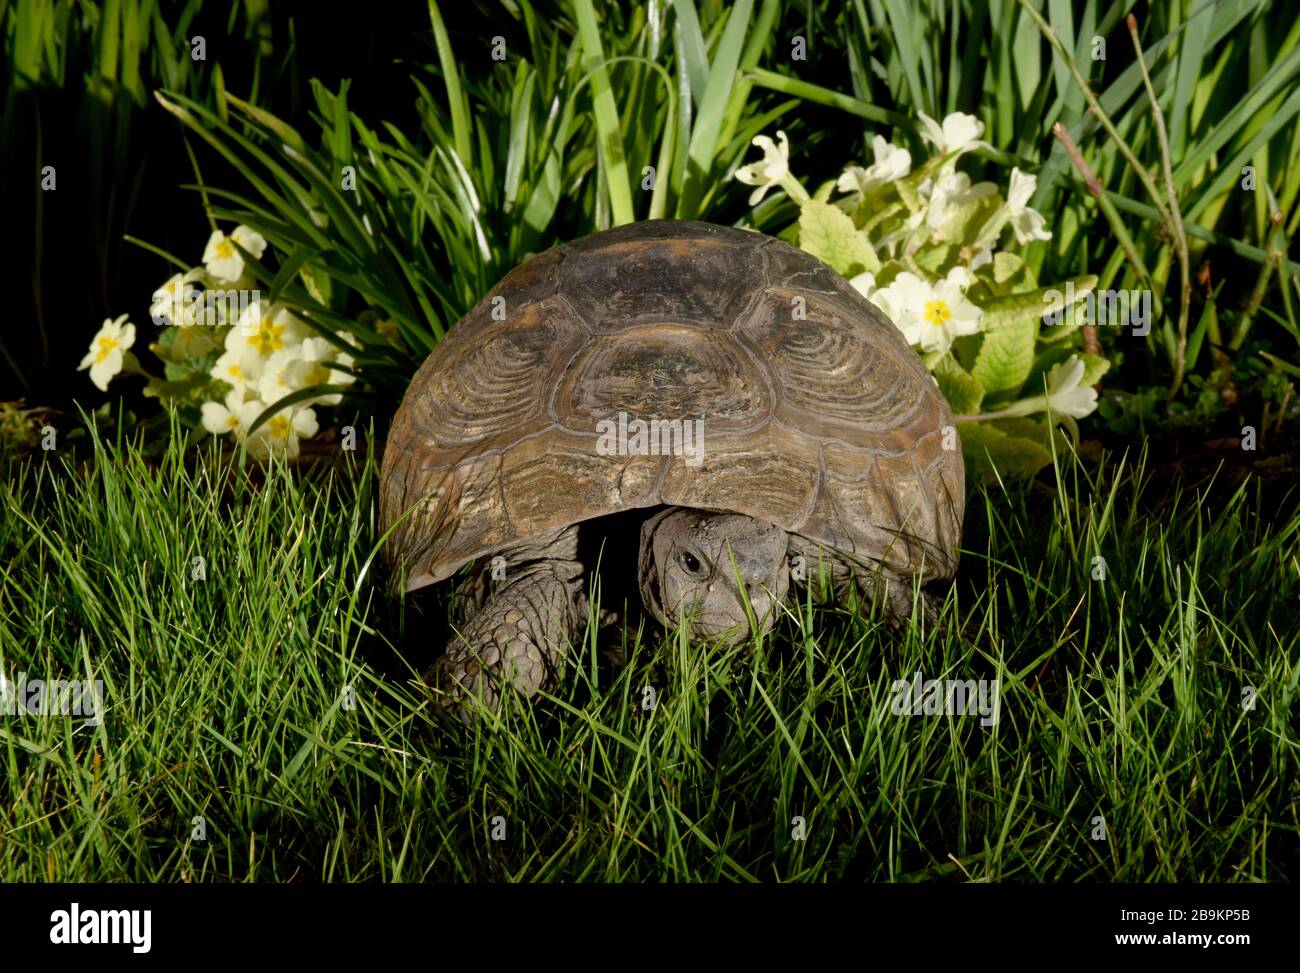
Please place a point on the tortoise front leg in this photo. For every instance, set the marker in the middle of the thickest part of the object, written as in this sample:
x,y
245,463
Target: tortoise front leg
x,y
516,631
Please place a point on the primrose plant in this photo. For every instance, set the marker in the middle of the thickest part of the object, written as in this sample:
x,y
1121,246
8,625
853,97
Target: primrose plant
x,y
229,354
936,253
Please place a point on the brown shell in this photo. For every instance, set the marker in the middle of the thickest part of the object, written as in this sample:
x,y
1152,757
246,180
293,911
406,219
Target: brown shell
x,y
826,423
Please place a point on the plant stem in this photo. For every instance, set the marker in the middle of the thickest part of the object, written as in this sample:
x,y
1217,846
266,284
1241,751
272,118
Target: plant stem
x,y
1256,297
1107,208
1248,251
794,188
1098,112
1175,214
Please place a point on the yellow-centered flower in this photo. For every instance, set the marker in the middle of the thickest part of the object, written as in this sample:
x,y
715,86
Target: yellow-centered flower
x,y
936,312
107,350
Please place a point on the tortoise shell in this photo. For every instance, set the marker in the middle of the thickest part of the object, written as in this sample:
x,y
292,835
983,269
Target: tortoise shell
x,y
816,414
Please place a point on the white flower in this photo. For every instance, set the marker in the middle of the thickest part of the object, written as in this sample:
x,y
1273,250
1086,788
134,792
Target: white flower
x,y
217,419
266,328
222,261
774,167
959,133
235,415
273,384
192,342
341,377
240,368
298,368
891,163
174,302
106,351
311,368
1028,224
930,316
949,193
1065,394
864,283
280,433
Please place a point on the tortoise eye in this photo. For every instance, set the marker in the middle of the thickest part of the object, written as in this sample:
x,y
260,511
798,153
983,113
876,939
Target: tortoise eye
x,y
689,562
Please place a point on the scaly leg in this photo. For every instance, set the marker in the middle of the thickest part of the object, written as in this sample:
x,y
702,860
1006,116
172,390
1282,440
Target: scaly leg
x,y
516,631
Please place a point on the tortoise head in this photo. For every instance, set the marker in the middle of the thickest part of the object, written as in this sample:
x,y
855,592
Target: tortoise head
x,y
696,564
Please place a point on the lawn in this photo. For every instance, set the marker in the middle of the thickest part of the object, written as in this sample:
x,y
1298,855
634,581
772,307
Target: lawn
x,y
260,722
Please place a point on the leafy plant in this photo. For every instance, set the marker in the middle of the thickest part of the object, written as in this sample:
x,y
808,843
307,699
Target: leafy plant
x,y
923,246
1150,128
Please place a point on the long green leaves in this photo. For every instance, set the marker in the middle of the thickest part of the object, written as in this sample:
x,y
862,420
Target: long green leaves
x,y
458,103
1223,72
609,134
707,130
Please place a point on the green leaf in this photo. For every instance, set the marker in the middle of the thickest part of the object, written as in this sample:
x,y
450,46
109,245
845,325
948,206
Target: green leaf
x,y
965,223
962,390
1023,427
1190,52
908,24
605,110
936,259
990,452
706,132
1094,367
287,133
1007,352
544,198
818,95
693,53
178,388
1056,333
1006,274
457,100
291,266
293,398
908,194
826,232
174,371
1006,266
318,284
1034,304
521,108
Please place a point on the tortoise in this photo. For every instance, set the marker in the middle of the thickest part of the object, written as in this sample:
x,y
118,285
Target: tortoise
x,y
763,415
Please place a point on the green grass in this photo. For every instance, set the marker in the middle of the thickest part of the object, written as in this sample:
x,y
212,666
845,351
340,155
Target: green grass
x,y
226,699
